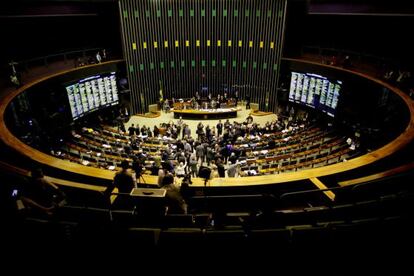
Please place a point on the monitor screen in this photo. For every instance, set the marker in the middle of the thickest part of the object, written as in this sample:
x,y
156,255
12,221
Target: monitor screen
x,y
315,91
92,93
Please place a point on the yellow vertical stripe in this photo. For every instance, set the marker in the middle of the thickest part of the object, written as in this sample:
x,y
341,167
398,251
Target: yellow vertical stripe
x,y
134,46
155,44
187,43
208,43
218,43
272,45
176,43
240,43
261,44
166,44
198,43
144,45
250,44
229,43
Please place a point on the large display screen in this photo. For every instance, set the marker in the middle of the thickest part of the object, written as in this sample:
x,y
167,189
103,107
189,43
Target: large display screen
x,y
92,93
315,91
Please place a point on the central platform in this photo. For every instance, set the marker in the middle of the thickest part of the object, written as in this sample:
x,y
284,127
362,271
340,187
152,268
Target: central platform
x,y
205,114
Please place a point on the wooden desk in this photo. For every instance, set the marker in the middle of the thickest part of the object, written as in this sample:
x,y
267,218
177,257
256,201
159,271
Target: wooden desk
x,y
206,114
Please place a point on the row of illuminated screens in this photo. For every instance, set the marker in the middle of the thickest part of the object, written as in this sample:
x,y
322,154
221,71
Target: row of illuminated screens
x,y
315,91
225,12
199,43
92,93
203,63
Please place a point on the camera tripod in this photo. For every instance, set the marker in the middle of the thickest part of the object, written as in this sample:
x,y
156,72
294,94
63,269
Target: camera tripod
x,y
139,178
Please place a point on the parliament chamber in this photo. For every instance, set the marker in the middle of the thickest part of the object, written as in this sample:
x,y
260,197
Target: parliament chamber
x,y
164,90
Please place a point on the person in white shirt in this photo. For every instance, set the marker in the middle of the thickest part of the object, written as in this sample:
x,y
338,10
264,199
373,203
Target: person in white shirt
x,y
98,57
180,169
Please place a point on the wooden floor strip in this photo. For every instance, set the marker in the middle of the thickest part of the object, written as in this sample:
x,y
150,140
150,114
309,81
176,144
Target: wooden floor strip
x,y
322,186
390,172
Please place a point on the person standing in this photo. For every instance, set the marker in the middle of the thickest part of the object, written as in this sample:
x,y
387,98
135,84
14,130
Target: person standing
x,y
236,97
98,57
123,179
131,130
248,101
219,127
104,55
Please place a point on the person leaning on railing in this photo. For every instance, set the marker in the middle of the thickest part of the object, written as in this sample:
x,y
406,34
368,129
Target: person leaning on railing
x,y
40,196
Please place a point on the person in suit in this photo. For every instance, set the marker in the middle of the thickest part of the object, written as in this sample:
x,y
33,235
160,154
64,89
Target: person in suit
x,y
248,101
174,200
123,179
219,127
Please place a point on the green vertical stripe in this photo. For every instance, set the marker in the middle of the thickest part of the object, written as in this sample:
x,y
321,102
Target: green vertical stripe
x,y
224,13
269,13
193,63
214,13
254,64
264,66
182,63
162,65
236,13
131,68
244,64
136,13
172,64
158,13
213,63
152,66
257,13
191,13
203,63
125,14
147,13
234,63
141,67
275,66
247,13
180,13
203,12
223,63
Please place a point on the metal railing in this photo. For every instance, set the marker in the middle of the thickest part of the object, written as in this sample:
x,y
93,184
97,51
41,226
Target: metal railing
x,y
86,55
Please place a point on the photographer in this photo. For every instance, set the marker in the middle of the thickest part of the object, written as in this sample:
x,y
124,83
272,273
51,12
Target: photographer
x,y
185,187
137,167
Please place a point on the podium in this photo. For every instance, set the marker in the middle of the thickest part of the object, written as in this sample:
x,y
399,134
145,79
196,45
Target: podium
x,y
254,107
149,202
153,108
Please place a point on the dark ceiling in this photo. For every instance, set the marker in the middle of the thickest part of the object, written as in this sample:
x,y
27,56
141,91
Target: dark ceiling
x,y
36,28
356,7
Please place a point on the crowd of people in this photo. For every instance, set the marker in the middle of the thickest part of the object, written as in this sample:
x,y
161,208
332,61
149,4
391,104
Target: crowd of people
x,y
208,102
211,149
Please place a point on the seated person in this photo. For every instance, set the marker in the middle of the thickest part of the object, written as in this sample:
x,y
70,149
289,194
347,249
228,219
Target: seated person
x,y
123,179
41,195
174,200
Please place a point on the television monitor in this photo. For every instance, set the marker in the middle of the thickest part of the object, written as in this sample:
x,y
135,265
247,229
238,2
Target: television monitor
x,y
92,93
315,91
